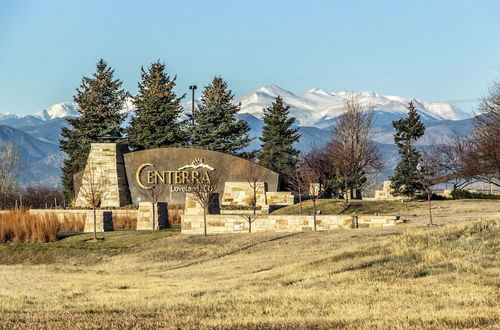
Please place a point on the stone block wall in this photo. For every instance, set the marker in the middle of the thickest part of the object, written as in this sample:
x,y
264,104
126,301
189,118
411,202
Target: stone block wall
x,y
105,168
237,198
279,198
232,223
241,194
145,216
104,221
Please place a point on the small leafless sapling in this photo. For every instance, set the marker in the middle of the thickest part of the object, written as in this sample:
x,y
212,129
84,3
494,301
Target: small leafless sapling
x,y
312,179
296,181
154,192
94,189
253,175
203,188
431,173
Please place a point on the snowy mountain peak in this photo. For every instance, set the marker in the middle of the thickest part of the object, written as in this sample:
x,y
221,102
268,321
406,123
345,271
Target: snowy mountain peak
x,y
273,90
8,115
59,110
318,91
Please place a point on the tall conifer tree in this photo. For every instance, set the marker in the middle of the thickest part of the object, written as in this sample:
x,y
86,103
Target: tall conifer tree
x,y
216,127
156,123
278,136
407,174
100,100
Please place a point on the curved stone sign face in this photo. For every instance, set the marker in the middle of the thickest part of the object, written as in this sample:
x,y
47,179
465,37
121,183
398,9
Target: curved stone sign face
x,y
170,169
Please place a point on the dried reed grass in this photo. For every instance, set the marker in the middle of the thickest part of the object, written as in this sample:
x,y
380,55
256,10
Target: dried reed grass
x,y
20,226
174,214
125,222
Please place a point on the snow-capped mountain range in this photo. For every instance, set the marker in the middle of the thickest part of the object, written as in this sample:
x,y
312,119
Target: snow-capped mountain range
x,y
316,106
37,135
312,108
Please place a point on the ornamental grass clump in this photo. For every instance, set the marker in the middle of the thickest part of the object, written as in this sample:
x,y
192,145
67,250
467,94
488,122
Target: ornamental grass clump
x,y
22,227
124,223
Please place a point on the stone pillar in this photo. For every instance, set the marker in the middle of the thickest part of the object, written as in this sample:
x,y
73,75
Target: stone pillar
x,y
145,216
105,167
104,221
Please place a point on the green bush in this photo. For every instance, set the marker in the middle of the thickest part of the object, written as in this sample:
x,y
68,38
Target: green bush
x,y
465,194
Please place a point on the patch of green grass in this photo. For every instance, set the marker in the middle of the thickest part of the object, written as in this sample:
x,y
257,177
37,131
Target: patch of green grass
x,y
338,206
81,246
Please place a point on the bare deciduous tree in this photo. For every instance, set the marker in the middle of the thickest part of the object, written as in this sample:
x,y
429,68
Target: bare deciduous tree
x,y
454,158
154,191
203,190
312,178
253,175
485,136
10,169
296,181
94,189
354,155
431,173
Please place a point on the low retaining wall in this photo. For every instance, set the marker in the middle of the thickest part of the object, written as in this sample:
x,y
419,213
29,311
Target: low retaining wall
x,y
233,223
61,214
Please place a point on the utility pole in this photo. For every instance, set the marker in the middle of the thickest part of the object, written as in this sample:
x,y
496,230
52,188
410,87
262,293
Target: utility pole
x,y
192,88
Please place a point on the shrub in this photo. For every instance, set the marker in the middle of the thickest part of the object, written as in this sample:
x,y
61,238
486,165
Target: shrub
x,y
465,194
434,197
37,197
8,199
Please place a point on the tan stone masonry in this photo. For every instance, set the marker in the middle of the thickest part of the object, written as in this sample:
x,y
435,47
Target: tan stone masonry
x,y
105,165
233,223
237,198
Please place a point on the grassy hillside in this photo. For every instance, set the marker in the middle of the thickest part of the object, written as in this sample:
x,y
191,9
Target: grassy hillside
x,y
399,277
448,207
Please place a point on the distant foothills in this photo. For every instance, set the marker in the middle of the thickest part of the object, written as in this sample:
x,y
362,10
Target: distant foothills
x,y
37,136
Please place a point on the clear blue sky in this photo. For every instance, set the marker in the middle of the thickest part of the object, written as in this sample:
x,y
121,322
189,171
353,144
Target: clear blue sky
x,y
432,50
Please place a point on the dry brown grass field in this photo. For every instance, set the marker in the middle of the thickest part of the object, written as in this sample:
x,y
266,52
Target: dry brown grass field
x,y
409,276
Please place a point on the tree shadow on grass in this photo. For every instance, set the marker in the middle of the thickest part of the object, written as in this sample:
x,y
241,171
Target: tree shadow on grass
x,y
70,234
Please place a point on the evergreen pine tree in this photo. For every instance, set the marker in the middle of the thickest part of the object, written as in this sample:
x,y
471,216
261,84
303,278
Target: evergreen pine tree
x,y
216,127
278,136
100,99
407,174
156,123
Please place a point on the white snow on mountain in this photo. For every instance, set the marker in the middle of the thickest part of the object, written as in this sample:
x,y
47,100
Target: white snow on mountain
x,y
69,109
59,110
8,115
128,106
316,105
